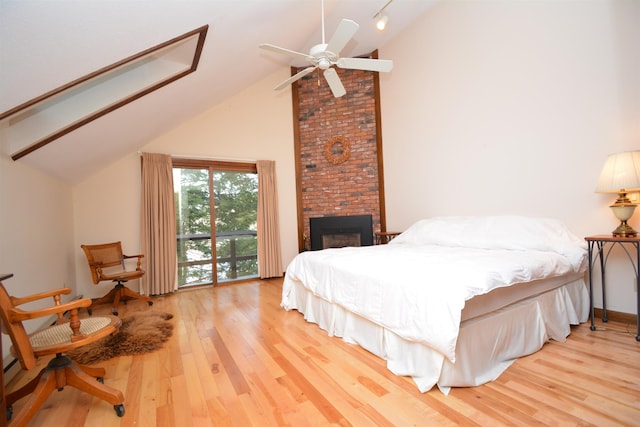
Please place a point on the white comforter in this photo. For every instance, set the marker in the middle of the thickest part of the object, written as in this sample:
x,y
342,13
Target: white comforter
x,y
417,285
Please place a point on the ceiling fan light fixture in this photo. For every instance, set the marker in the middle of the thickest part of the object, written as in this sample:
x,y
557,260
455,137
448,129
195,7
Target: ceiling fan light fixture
x,y
381,23
324,63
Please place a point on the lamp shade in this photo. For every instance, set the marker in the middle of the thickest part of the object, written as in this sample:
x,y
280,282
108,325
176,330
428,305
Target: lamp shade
x,y
621,171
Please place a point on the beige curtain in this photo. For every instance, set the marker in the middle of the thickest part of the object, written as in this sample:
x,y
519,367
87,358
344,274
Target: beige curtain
x,y
158,225
269,254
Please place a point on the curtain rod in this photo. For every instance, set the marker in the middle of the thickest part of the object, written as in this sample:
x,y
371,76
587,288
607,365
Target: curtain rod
x,y
222,159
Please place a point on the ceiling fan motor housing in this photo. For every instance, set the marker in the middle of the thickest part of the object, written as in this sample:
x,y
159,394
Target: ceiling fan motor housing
x,y
323,58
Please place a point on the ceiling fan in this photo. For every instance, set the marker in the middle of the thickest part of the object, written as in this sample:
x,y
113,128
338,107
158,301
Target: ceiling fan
x,y
325,55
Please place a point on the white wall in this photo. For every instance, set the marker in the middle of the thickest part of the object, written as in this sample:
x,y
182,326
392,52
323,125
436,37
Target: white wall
x,y
252,125
36,235
497,107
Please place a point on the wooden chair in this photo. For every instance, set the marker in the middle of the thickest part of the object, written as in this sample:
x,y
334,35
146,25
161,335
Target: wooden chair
x,y
107,262
64,335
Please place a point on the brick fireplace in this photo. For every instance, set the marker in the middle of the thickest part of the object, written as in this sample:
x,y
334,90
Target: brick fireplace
x,y
338,149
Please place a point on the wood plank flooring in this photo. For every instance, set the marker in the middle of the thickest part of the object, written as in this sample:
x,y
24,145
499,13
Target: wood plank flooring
x,y
237,359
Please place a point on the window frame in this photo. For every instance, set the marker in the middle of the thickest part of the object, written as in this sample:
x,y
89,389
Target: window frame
x,y
214,165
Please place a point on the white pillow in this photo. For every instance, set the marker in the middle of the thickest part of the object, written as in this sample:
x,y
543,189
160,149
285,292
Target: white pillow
x,y
496,232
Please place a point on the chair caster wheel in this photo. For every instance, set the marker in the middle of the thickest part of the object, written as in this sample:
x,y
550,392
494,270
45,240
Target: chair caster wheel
x,y
119,410
89,311
114,312
150,303
100,380
9,412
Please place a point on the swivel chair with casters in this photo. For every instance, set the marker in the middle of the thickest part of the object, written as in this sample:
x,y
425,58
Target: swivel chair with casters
x,y
107,262
64,335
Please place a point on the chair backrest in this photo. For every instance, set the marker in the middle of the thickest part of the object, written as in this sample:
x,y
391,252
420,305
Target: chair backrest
x,y
19,337
103,256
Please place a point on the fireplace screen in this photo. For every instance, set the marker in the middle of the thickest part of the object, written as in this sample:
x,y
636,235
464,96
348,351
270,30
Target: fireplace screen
x,y
340,240
341,231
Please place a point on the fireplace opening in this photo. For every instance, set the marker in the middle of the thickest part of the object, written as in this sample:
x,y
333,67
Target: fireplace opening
x,y
341,231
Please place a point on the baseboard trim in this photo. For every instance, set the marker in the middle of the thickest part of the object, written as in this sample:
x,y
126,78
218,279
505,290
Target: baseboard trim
x,y
617,316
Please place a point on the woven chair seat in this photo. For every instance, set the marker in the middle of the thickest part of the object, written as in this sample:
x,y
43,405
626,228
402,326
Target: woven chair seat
x,y
61,334
121,275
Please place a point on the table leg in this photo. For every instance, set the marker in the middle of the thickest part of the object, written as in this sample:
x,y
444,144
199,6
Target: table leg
x,y
637,291
605,319
591,310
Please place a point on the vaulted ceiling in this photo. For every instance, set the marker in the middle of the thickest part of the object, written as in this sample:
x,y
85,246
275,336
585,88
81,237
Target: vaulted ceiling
x,y
47,44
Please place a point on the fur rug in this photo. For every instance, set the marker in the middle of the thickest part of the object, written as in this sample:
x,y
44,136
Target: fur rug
x,y
140,333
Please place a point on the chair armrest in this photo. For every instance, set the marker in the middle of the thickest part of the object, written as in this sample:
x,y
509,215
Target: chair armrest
x,y
17,314
41,295
138,264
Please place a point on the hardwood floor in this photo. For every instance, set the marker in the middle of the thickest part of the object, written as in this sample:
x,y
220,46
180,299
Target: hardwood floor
x,y
236,358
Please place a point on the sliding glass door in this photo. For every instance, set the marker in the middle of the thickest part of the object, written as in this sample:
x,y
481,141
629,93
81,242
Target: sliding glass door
x,y
216,211
236,211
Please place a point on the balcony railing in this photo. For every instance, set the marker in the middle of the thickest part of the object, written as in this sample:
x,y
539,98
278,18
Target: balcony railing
x,y
233,259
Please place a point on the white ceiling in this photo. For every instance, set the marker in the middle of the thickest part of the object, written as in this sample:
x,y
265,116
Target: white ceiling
x,y
46,44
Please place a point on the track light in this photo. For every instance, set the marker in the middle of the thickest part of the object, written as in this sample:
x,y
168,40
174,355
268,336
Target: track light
x,y
382,20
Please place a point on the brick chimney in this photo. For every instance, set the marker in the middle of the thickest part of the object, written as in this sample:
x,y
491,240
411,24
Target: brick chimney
x,y
338,149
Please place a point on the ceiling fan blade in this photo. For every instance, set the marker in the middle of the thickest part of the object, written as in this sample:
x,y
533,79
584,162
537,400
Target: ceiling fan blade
x,y
334,82
346,29
292,53
295,77
382,65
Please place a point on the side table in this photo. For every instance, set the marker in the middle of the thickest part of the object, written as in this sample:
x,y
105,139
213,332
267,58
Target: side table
x,y
598,244
383,237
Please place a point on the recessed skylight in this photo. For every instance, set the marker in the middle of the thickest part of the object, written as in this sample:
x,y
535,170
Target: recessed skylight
x,y
48,117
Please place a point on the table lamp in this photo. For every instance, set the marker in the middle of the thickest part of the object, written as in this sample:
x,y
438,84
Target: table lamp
x,y
621,174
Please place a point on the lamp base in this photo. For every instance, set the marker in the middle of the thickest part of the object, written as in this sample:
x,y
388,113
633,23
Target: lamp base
x,y
623,211
624,230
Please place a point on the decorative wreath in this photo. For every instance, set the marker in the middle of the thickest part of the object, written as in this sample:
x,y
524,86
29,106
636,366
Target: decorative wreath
x,y
330,153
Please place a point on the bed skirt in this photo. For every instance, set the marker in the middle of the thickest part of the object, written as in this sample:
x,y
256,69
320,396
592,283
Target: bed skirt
x,y
487,345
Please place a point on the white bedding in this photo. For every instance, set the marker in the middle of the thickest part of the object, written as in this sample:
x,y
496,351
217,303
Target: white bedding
x,y
417,285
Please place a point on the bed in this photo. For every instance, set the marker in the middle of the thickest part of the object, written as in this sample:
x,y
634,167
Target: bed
x,y
452,301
